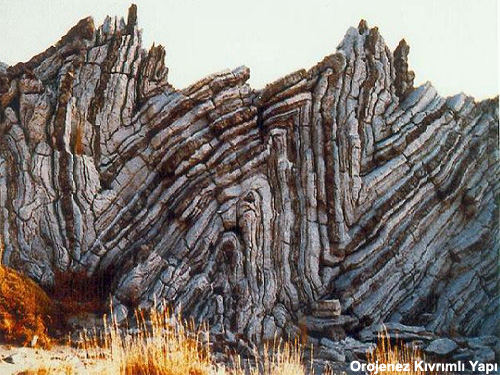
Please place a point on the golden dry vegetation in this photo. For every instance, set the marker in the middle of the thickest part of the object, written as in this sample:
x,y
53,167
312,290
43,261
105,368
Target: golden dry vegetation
x,y
25,309
389,354
166,345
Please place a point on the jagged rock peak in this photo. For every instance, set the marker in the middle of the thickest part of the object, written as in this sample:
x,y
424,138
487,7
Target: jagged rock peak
x,y
3,67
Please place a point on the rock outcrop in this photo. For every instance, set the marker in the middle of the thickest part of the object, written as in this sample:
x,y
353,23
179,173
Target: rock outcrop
x,y
253,209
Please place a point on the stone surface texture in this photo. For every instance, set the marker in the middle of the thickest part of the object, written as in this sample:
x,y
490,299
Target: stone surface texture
x,y
254,210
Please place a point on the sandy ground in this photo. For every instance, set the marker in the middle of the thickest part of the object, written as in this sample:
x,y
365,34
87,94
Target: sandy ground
x,y
58,360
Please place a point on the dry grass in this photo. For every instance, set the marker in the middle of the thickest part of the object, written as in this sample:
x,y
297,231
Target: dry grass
x,y
165,345
280,358
162,346
389,354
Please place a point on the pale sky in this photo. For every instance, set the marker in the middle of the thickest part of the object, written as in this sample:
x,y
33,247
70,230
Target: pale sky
x,y
454,43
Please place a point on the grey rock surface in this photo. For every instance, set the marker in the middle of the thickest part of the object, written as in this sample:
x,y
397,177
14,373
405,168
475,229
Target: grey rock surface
x,y
441,346
326,308
245,208
396,331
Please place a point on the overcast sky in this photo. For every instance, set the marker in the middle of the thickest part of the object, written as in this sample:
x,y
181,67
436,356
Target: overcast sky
x,y
454,43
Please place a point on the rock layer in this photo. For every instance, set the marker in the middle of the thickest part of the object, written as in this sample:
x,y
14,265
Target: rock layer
x,y
249,208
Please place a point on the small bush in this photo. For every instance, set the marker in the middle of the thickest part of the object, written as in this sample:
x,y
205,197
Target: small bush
x,y
25,310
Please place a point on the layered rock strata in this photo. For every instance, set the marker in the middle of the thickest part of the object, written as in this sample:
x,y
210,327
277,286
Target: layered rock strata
x,y
253,209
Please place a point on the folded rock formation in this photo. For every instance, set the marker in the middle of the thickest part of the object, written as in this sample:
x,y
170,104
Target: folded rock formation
x,y
254,210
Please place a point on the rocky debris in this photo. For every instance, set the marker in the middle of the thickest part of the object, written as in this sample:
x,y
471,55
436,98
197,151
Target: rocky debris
x,y
349,347
84,321
483,342
331,354
482,348
337,355
248,209
333,327
326,308
396,331
358,349
16,358
441,346
484,355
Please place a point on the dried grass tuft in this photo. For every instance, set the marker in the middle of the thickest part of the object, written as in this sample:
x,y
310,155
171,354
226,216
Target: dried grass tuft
x,y
388,354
